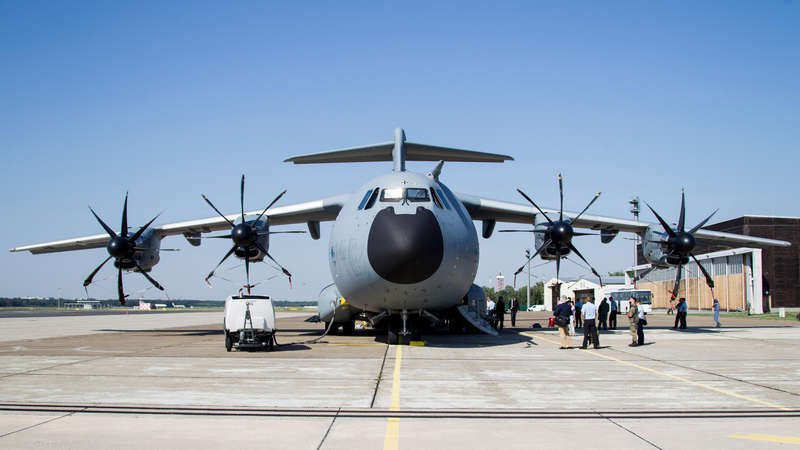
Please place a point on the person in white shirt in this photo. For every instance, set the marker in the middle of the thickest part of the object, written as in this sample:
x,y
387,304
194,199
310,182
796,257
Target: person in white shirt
x,y
589,316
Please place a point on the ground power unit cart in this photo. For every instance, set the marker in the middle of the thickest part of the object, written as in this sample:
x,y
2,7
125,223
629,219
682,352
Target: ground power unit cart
x,y
249,323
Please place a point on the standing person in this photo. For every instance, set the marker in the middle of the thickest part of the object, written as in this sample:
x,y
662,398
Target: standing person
x,y
612,318
633,317
499,312
571,318
563,316
680,314
715,307
589,313
578,306
602,315
641,323
671,307
514,308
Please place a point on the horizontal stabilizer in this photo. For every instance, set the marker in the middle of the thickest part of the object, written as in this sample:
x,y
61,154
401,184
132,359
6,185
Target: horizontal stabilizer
x,y
413,152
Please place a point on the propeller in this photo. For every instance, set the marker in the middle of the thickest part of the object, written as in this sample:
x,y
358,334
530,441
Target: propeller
x,y
679,243
122,247
558,233
246,236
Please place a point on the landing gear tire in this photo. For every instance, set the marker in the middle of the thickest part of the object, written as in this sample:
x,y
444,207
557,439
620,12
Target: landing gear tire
x,y
392,337
228,342
348,328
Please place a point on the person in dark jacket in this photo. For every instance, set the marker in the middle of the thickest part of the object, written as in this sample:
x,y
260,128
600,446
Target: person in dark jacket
x,y
500,312
513,309
602,315
562,314
612,317
578,318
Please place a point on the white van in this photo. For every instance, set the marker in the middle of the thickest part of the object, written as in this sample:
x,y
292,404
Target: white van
x,y
623,295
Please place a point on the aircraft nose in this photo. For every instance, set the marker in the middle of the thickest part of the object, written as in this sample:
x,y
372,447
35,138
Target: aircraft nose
x,y
405,248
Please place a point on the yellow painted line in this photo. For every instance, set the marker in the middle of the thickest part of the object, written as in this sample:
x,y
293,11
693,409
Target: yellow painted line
x,y
767,438
674,377
391,440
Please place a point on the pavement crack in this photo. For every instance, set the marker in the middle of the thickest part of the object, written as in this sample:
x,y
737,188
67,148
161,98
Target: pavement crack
x,y
327,432
43,422
380,377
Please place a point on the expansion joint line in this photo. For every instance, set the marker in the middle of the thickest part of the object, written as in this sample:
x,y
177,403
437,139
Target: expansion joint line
x,y
627,429
380,377
391,439
44,422
330,426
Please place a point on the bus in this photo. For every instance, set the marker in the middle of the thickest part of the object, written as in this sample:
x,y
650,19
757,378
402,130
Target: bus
x,y
621,297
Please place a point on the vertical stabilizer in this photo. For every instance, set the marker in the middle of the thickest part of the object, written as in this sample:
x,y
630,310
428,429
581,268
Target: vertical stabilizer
x,y
399,150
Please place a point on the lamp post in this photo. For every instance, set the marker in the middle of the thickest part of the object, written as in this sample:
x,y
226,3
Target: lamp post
x,y
635,211
528,257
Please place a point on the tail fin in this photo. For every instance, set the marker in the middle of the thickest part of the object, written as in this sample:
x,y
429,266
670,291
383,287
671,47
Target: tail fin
x,y
398,151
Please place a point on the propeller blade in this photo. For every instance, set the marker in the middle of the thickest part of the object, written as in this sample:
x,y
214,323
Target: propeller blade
x,y
149,278
663,222
677,282
270,205
518,231
142,229
709,280
538,250
682,216
535,205
120,288
241,197
286,232
572,247
558,265
596,196
584,234
108,229
215,209
221,236
247,272
89,279
561,194
263,250
124,229
700,225
230,252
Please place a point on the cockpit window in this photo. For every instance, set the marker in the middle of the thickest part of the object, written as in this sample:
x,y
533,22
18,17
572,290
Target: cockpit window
x,y
364,200
392,195
417,195
408,194
371,200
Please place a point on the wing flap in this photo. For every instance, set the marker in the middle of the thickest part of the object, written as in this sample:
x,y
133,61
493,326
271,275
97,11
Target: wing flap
x,y
81,243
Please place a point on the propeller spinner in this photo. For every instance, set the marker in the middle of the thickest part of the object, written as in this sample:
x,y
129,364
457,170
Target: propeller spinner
x,y
122,248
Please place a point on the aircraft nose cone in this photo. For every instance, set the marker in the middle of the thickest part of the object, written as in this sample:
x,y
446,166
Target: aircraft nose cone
x,y
405,248
118,247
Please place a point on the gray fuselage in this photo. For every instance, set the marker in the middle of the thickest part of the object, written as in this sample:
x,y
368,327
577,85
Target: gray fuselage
x,y
403,242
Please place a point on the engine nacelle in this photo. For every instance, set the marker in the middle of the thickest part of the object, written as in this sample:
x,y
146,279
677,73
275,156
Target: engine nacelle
x,y
147,253
540,236
653,251
332,306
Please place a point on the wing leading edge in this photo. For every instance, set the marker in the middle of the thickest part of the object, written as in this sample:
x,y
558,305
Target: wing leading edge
x,y
502,211
307,212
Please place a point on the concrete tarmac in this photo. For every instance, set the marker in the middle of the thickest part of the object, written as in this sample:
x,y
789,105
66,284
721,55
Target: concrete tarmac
x,y
166,381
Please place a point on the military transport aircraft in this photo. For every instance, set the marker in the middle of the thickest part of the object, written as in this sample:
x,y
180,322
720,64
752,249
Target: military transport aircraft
x,y
403,249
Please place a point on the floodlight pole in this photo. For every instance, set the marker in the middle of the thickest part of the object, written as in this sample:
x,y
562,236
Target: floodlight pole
x,y
528,256
635,211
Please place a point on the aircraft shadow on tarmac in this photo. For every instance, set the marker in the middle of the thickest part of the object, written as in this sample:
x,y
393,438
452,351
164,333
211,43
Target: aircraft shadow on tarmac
x,y
167,332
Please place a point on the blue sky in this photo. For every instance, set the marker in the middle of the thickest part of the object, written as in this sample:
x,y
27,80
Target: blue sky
x,y
169,101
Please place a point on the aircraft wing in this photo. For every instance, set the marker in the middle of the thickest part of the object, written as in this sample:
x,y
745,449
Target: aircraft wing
x,y
502,211
308,212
